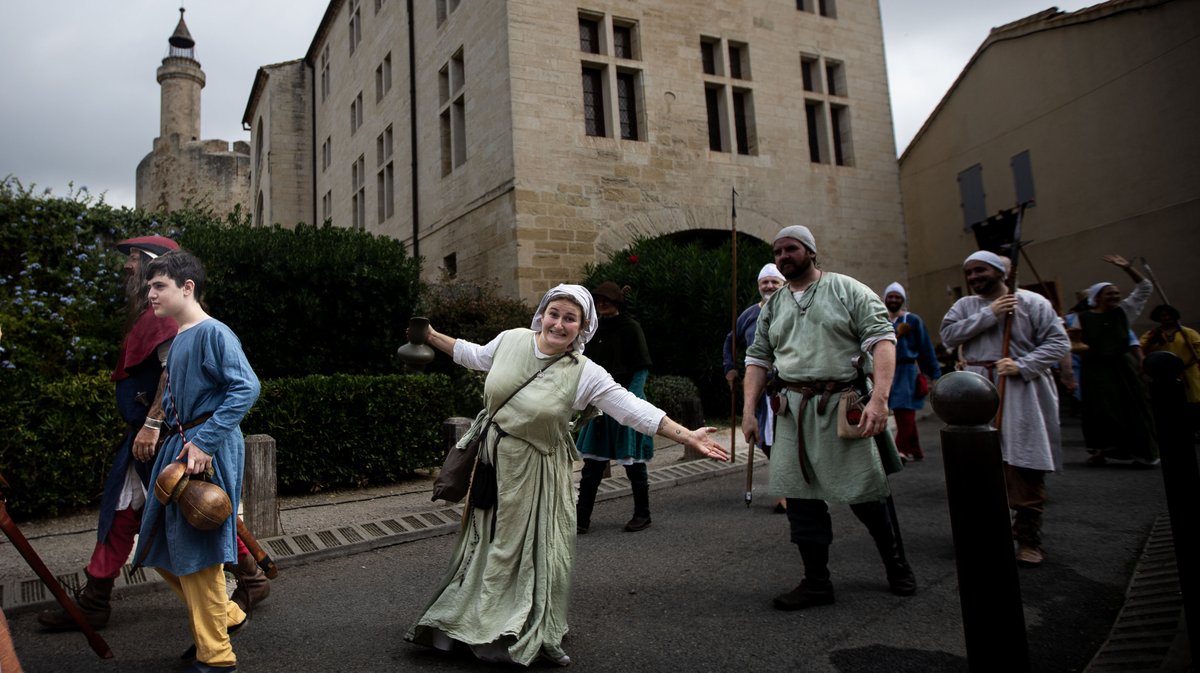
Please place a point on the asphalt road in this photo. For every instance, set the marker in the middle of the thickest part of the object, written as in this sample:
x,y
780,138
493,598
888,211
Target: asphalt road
x,y
692,593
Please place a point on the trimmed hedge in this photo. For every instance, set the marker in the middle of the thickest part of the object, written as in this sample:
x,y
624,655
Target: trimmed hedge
x,y
349,430
57,438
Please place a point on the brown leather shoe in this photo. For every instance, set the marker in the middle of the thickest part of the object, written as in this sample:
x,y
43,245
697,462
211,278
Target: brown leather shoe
x,y
94,601
1029,557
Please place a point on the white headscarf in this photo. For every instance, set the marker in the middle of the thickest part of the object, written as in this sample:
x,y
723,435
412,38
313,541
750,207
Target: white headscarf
x,y
770,271
1093,292
989,258
580,295
897,288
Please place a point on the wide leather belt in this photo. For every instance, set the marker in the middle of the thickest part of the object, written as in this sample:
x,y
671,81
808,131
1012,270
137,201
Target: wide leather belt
x,y
808,390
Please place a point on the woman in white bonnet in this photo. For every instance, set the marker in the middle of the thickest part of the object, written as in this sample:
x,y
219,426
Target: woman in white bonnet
x,y
505,593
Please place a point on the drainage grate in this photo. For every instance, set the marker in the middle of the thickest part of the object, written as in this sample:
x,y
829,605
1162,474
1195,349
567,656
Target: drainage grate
x,y
305,543
416,523
32,590
373,529
280,547
393,525
350,534
328,539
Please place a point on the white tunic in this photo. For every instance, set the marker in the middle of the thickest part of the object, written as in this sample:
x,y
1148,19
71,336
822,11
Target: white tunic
x,y
1031,436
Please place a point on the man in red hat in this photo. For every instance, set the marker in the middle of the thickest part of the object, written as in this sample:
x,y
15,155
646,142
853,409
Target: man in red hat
x,y
139,398
139,401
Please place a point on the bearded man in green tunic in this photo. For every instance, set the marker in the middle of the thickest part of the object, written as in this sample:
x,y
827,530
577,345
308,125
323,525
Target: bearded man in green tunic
x,y
811,332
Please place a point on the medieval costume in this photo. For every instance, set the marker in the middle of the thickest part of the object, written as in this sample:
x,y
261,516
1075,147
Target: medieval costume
x,y
1117,421
811,338
139,367
1030,437
914,356
620,348
210,387
505,593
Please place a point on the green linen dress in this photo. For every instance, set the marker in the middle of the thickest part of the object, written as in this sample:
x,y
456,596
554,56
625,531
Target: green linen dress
x,y
816,338
510,575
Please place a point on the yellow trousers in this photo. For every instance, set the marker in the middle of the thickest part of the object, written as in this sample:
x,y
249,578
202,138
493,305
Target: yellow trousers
x,y
210,613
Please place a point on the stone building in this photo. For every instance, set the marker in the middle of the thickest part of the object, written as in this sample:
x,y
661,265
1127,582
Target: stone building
x,y
520,140
183,171
1105,102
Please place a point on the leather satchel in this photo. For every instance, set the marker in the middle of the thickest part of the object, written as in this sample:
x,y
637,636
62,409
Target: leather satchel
x,y
463,472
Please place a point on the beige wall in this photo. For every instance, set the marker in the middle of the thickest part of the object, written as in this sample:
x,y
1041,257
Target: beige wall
x,y
283,165
536,198
1107,105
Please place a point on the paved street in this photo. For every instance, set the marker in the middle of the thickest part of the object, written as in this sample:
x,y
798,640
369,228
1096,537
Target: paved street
x,y
691,592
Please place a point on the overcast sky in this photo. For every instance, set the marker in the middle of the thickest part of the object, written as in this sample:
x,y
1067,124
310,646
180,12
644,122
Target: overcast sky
x,y
80,101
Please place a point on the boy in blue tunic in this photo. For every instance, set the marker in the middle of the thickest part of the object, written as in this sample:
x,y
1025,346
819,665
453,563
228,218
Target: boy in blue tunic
x,y
209,388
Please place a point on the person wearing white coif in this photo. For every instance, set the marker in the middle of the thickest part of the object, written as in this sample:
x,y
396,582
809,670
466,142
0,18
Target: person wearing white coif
x,y
769,280
1117,421
914,356
505,592
811,333
1030,436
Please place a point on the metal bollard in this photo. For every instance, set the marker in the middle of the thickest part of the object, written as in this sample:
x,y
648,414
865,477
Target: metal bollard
x,y
988,588
1181,479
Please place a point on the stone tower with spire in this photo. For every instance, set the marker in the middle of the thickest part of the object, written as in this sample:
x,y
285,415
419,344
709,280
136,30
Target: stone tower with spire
x,y
183,171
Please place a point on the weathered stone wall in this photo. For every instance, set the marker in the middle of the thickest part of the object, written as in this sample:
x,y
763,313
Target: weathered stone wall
x,y
283,163
204,174
537,198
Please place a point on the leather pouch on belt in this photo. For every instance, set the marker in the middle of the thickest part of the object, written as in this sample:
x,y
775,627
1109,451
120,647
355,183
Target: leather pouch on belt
x,y
778,402
850,411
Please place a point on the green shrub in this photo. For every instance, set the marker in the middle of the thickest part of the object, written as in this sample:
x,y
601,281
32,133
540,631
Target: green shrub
x,y
57,440
677,396
313,300
680,293
309,300
350,430
475,312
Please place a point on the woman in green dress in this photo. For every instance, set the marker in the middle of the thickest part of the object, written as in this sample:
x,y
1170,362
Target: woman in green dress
x,y
505,593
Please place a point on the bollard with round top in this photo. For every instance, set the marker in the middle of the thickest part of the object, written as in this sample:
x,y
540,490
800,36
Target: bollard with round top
x,y
1181,477
989,590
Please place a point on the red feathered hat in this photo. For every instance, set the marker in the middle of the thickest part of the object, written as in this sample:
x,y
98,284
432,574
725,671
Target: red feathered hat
x,y
154,245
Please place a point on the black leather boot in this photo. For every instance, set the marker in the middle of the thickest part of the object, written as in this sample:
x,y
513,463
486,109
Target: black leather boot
x,y
639,480
816,588
589,483
94,600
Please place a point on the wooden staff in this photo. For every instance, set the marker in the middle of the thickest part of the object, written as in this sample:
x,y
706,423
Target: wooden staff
x,y
733,315
39,567
1015,257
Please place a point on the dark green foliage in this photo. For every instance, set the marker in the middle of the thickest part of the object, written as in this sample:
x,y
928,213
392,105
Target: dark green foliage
x,y
477,313
672,394
680,293
351,431
313,300
56,441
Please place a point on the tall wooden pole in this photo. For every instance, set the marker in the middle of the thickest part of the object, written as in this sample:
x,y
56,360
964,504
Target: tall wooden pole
x,y
733,314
